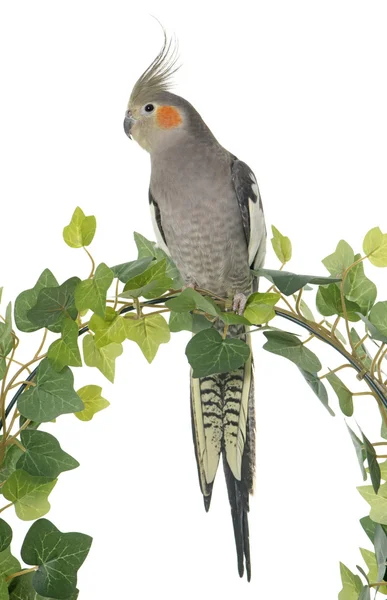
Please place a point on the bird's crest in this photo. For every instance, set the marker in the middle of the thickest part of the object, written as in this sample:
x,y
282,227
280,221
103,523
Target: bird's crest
x,y
157,77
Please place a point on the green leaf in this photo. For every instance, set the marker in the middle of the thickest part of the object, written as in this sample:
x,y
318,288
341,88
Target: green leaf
x,y
23,590
328,302
209,353
93,401
91,294
373,331
289,346
102,358
52,396
109,329
151,282
12,454
29,494
289,283
319,389
373,464
8,564
305,310
188,322
44,457
149,249
126,271
259,307
361,350
380,543
65,351
26,300
4,594
378,317
343,393
190,300
80,232
59,556
369,527
359,288
375,247
365,594
231,318
148,332
360,451
378,502
282,245
53,305
352,585
6,340
5,535
342,258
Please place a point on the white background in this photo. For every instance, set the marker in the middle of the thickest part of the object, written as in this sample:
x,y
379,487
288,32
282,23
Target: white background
x,y
297,90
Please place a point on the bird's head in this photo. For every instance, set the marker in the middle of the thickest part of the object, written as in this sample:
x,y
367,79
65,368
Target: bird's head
x,y
154,116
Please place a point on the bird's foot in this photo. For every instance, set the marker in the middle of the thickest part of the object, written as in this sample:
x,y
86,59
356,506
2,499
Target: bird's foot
x,y
239,303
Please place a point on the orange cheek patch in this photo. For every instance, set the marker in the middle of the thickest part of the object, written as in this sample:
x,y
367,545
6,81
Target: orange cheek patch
x,y
168,117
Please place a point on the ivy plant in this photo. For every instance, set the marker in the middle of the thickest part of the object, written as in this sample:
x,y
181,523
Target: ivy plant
x,y
143,301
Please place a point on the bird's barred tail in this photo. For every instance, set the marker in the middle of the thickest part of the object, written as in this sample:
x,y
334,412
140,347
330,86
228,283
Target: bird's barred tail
x,y
223,422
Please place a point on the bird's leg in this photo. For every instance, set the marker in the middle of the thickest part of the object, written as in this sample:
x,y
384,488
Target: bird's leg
x,y
239,303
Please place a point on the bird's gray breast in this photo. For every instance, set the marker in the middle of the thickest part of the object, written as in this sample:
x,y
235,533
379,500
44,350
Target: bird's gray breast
x,y
201,219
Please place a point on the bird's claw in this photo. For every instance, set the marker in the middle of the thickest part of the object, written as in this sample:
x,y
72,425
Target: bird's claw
x,y
239,303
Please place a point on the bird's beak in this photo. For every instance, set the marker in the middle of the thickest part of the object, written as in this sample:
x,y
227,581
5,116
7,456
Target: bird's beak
x,y
128,123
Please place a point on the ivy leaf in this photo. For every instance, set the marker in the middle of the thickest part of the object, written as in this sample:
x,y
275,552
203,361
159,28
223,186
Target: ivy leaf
x,y
289,283
93,401
52,396
328,302
373,331
209,353
360,451
102,358
343,393
26,300
59,556
53,305
375,247
231,318
360,289
373,464
65,351
352,585
148,332
145,247
29,494
190,300
306,312
5,535
149,249
188,322
365,594
380,543
44,457
259,307
153,278
80,232
378,317
342,258
8,564
282,245
318,388
126,271
23,590
12,454
378,502
4,595
289,346
109,329
91,294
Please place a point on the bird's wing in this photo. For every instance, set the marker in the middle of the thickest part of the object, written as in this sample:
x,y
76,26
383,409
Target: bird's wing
x,y
250,205
156,221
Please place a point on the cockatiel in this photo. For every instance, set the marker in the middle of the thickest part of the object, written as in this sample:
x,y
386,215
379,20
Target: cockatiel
x,y
207,215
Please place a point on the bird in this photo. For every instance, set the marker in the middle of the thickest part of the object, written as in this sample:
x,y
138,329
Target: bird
x,y
208,217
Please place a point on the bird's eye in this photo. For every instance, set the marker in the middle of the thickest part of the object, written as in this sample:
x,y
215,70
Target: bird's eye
x,y
149,108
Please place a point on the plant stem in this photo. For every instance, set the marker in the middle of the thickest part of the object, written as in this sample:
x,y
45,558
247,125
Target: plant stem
x,y
6,506
116,297
298,302
15,435
92,262
24,572
379,364
376,358
335,370
41,343
334,326
362,394
343,305
361,342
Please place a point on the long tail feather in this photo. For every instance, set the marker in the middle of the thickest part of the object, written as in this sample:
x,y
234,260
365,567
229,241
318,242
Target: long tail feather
x,y
223,422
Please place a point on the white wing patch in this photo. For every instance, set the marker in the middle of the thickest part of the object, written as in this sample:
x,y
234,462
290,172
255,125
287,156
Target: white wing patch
x,y
159,238
257,221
